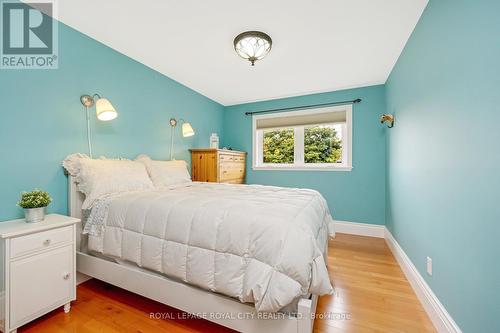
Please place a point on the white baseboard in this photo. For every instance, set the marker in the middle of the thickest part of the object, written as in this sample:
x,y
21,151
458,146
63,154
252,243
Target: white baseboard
x,y
360,229
441,319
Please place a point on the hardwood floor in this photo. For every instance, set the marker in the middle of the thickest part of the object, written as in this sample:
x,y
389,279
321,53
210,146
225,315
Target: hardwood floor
x,y
371,295
370,290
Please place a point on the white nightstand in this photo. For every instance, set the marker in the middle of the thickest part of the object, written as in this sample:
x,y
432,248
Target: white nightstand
x,y
37,268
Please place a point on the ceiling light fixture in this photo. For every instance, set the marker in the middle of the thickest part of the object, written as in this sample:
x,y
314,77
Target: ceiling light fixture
x,y
252,45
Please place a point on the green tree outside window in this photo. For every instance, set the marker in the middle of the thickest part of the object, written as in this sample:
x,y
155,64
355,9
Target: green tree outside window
x,y
279,146
322,145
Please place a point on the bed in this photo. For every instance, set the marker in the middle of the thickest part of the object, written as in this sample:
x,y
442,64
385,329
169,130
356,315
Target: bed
x,y
247,257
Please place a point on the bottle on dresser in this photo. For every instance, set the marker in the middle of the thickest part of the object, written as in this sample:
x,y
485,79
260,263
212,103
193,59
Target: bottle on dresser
x,y
214,141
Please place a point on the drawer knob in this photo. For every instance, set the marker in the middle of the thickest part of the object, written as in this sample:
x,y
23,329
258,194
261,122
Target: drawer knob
x,y
46,242
66,276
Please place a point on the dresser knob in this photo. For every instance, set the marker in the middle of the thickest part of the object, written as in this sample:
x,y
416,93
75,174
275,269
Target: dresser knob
x,y
66,276
46,242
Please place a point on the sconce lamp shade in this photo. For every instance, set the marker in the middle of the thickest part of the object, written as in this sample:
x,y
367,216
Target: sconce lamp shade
x,y
187,130
105,111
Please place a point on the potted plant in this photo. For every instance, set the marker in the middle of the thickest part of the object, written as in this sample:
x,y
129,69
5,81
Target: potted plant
x,y
34,204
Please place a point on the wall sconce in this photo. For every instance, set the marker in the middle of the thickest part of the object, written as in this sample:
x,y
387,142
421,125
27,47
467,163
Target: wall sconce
x,y
104,111
387,118
187,131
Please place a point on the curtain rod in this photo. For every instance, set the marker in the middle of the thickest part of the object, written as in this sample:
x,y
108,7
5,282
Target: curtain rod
x,y
304,107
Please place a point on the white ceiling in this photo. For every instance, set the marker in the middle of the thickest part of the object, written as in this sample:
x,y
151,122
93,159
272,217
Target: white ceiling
x,y
320,45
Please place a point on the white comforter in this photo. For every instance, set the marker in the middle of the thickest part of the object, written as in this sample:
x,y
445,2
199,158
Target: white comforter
x,y
259,244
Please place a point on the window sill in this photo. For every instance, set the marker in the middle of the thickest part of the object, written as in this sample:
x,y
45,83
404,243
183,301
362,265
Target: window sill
x,y
298,168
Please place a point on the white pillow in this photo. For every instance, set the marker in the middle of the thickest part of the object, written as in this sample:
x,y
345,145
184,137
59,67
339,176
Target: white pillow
x,y
166,173
72,163
96,178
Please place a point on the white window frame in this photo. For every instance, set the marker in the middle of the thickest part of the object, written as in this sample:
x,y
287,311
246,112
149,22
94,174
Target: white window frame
x,y
257,143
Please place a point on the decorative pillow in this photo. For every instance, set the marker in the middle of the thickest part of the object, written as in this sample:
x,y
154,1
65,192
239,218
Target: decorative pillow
x,y
72,163
96,178
166,173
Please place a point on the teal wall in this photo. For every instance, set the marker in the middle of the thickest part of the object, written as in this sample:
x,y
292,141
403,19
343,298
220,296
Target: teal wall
x,y
357,196
42,120
443,161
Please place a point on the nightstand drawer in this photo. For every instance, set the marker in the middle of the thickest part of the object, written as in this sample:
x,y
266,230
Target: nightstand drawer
x,y
39,241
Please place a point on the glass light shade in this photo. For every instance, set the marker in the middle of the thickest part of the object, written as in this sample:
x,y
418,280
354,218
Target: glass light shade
x,y
252,45
104,110
187,130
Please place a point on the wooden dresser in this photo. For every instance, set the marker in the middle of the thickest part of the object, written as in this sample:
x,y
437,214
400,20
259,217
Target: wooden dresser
x,y
218,165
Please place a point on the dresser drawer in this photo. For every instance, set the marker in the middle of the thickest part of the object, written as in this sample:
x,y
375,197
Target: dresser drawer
x,y
233,181
225,158
232,166
239,159
39,241
232,171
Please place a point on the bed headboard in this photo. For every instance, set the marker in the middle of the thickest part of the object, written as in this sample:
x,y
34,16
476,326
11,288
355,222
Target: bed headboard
x,y
75,201
75,198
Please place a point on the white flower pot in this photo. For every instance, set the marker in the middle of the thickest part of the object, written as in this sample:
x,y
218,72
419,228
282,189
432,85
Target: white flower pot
x,y
33,215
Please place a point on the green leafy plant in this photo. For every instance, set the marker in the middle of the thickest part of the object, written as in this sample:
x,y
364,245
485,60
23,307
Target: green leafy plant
x,y
322,145
279,146
34,199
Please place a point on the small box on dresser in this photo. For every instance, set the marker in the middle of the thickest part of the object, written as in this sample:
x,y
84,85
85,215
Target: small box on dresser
x,y
218,165
37,268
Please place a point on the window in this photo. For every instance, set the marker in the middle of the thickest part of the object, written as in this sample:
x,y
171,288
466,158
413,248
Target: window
x,y
318,139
